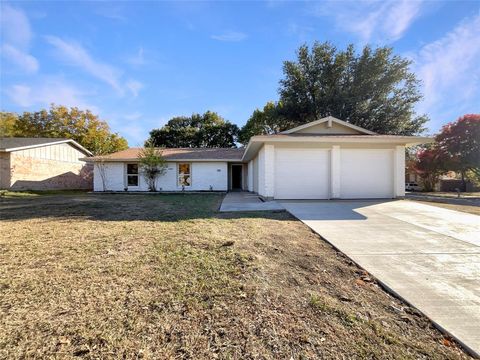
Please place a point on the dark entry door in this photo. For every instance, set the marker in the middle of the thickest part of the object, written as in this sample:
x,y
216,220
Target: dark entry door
x,y
236,177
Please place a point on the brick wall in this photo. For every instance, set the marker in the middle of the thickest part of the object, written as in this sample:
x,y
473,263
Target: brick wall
x,y
4,170
31,173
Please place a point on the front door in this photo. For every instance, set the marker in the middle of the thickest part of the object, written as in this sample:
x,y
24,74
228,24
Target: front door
x,y
237,177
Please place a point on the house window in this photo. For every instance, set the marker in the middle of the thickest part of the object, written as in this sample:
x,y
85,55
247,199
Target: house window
x,y
132,174
184,175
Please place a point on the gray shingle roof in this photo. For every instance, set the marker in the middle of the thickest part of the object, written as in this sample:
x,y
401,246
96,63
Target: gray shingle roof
x,y
230,154
12,143
15,142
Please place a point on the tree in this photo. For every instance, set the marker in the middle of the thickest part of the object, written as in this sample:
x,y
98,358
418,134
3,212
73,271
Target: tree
x,y
101,165
62,122
460,142
152,165
267,121
374,89
207,130
430,164
7,124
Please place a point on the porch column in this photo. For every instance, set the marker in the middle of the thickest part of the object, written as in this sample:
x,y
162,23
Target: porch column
x,y
269,170
335,172
250,175
399,171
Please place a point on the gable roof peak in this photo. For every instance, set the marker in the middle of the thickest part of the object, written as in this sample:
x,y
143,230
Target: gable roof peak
x,y
9,144
329,120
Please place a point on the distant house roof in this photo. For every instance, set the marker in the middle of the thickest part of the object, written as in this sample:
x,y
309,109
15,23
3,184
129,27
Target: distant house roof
x,y
9,144
178,154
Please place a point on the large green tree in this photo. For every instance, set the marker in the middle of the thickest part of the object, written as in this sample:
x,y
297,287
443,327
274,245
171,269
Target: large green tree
x,y
61,122
268,120
374,89
207,130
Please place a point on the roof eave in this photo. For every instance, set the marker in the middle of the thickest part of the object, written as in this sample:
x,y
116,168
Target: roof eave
x,y
73,142
325,119
259,140
97,159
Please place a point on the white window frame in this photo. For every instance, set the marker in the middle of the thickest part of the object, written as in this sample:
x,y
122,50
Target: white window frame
x,y
127,175
190,174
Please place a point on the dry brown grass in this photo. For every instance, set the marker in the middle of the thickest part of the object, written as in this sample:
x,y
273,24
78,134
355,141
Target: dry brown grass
x,y
167,276
453,194
463,208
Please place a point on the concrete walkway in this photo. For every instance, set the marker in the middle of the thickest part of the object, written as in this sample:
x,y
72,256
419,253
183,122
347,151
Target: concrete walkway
x,y
246,201
427,255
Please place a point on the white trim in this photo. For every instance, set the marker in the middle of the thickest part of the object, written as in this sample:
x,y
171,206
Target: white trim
x,y
48,144
328,119
107,159
125,171
250,175
256,142
269,169
399,171
335,167
346,139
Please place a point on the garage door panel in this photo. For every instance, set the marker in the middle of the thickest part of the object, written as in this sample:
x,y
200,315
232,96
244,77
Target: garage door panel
x,y
302,174
366,173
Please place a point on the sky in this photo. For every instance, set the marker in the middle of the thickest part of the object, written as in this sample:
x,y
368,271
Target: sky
x,y
139,63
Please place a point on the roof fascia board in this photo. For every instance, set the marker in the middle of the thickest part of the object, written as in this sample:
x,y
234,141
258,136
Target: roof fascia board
x,y
247,148
106,159
73,142
259,140
349,139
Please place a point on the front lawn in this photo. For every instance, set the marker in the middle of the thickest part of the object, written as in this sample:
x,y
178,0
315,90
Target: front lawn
x,y
167,276
453,194
471,209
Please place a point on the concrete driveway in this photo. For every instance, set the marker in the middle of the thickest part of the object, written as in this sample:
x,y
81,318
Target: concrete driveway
x,y
427,255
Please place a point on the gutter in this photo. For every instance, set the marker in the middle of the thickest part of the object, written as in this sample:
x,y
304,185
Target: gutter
x,y
335,139
106,159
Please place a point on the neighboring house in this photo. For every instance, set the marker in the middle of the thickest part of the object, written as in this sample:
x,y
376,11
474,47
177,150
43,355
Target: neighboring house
x,y
43,164
412,176
324,159
446,182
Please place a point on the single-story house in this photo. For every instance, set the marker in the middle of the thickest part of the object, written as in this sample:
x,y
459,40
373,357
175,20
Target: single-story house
x,y
324,159
44,164
189,169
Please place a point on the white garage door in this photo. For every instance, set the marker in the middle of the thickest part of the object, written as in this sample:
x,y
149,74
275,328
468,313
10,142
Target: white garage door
x,y
302,174
366,173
